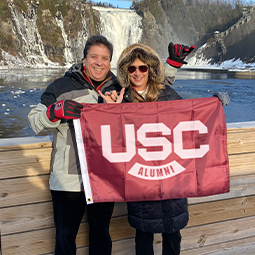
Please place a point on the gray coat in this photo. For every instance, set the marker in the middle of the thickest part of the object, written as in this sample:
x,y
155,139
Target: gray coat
x,y
65,167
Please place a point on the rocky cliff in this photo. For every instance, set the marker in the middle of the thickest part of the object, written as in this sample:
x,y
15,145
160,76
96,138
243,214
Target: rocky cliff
x,y
157,35
45,32
54,32
237,42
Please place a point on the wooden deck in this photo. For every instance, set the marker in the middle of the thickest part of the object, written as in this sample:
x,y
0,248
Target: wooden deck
x,y
219,225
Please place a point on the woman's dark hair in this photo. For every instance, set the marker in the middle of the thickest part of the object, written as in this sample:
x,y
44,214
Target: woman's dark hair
x,y
97,40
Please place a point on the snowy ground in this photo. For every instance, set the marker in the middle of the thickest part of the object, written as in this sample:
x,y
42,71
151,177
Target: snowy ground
x,y
226,65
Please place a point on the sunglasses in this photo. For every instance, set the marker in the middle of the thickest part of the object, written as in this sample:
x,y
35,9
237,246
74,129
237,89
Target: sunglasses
x,y
142,69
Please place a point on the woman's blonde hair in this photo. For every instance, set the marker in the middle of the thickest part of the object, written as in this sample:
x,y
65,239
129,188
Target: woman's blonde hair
x,y
156,70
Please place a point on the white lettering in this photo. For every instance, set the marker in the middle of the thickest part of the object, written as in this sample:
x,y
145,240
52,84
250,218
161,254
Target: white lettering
x,y
154,141
107,144
156,173
196,125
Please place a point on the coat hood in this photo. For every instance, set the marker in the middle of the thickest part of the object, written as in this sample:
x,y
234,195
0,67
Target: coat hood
x,y
145,54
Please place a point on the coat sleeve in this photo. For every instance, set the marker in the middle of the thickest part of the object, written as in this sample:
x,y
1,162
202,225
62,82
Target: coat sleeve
x,y
38,119
170,72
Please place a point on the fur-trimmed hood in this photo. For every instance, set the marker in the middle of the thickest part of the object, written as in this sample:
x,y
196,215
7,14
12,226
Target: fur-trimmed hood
x,y
146,55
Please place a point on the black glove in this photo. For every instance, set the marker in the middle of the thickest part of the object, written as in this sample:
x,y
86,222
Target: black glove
x,y
64,109
177,54
223,97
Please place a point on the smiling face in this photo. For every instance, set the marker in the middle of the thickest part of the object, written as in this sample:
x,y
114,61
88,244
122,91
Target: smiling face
x,y
97,62
139,79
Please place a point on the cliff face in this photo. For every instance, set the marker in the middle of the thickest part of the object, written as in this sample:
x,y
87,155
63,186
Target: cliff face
x,y
46,32
156,35
54,32
237,42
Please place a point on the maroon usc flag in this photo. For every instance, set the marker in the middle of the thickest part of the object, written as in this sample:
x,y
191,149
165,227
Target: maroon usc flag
x,y
153,151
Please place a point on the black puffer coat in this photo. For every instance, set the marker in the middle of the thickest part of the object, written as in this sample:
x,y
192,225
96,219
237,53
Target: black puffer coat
x,y
166,216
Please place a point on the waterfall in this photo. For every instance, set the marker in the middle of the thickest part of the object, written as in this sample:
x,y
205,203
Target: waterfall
x,y
83,35
67,50
121,27
73,51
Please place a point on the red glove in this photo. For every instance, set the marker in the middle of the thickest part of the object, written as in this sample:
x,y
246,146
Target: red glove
x,y
177,54
64,109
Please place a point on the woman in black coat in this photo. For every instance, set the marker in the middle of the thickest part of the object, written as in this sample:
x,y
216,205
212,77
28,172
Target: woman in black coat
x,y
142,74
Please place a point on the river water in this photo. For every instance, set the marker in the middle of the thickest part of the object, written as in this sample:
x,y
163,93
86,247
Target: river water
x,y
20,91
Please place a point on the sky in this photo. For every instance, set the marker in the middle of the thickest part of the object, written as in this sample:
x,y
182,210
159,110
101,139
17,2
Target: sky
x,y
124,4
115,3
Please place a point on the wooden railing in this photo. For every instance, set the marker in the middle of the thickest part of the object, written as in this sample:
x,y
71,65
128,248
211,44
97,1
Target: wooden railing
x,y
222,224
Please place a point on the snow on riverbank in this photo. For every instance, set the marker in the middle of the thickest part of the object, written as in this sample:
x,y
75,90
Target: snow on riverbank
x,y
236,65
15,62
10,62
